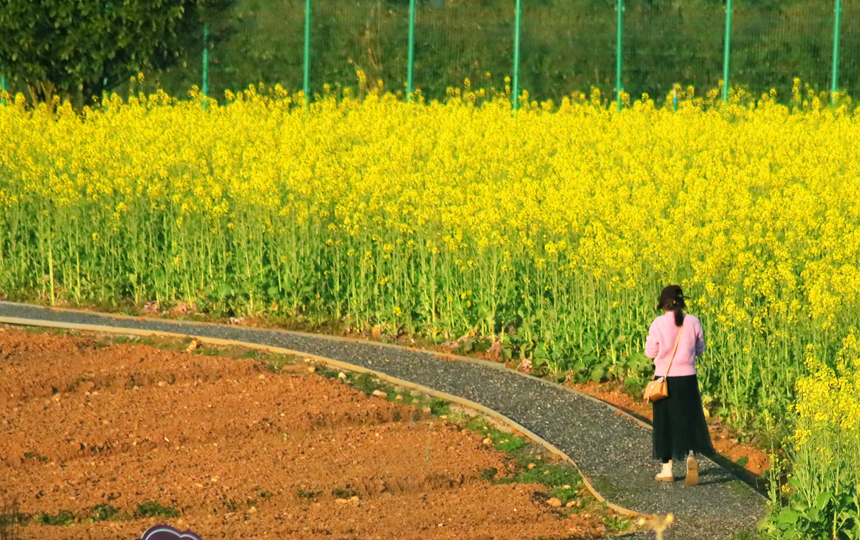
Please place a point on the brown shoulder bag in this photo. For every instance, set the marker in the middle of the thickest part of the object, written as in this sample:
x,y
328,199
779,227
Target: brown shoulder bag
x,y
658,389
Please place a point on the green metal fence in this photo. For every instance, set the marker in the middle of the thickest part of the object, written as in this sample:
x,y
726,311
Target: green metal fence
x,y
547,48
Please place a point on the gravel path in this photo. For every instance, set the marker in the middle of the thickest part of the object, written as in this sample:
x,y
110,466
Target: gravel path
x,y
611,449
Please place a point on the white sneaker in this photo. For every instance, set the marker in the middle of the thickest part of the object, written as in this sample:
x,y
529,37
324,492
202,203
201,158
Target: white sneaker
x,y
666,473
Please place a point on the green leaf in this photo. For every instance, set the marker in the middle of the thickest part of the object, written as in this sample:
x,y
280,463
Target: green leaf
x,y
588,346
788,516
822,500
223,291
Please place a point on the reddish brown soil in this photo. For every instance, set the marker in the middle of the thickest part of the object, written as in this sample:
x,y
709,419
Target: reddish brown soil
x,y
84,425
724,439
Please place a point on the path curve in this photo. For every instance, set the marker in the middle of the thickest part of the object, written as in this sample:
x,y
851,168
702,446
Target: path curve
x,y
611,449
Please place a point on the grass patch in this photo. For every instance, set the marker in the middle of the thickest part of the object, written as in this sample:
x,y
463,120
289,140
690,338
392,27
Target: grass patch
x,y
343,493
438,407
35,455
105,512
208,351
502,441
10,518
363,382
152,509
101,344
171,344
505,442
62,518
369,384
33,329
616,525
326,372
273,362
99,512
302,494
457,417
562,479
476,423
489,474
634,387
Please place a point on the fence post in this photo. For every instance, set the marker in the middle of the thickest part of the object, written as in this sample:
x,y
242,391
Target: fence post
x,y
619,32
108,7
516,85
410,83
306,72
205,82
834,79
727,49
3,87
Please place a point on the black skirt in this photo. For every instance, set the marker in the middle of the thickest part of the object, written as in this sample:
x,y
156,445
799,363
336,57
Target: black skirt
x,y
679,421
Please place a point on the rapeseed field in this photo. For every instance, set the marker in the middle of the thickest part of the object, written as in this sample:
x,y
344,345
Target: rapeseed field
x,y
549,231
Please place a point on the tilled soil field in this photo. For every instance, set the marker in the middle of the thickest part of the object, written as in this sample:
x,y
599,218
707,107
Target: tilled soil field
x,y
228,449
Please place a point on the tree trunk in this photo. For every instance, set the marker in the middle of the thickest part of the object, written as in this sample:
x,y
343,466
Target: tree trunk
x,y
43,92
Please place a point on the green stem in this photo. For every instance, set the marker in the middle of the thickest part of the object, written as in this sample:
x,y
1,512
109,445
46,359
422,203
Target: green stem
x,y
51,264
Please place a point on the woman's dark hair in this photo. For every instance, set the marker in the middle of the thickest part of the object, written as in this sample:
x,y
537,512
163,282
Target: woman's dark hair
x,y
672,299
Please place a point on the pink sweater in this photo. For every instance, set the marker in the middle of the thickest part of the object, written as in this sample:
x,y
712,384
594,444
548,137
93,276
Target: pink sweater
x,y
661,339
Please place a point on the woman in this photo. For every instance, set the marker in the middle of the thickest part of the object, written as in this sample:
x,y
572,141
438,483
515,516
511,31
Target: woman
x,y
680,430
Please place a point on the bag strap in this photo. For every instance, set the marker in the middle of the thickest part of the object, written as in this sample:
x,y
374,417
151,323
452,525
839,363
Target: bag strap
x,y
675,348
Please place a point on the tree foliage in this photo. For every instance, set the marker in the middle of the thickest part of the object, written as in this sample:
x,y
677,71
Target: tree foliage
x,y
74,47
